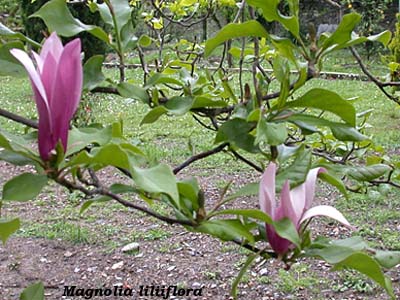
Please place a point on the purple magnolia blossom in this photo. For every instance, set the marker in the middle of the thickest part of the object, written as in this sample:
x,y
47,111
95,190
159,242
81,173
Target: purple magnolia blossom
x,y
294,204
57,86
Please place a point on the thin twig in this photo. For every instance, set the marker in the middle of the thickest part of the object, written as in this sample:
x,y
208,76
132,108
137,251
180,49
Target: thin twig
x,y
199,156
18,119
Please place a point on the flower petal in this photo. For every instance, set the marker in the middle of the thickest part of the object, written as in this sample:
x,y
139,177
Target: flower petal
x,y
326,211
278,244
52,45
32,72
67,89
298,200
267,190
286,208
310,185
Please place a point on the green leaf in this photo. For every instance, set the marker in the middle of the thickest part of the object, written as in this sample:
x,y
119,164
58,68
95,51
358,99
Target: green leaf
x,y
341,131
79,138
333,180
328,101
15,158
159,78
24,187
343,33
58,18
285,228
7,228
33,292
249,213
153,115
271,13
297,172
202,101
179,105
112,154
368,266
242,272
7,33
367,173
145,40
158,179
226,230
230,31
237,131
129,90
9,65
121,10
249,189
388,259
92,72
271,133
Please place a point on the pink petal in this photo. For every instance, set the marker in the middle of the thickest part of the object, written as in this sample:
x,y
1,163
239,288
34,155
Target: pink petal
x,y
278,244
45,123
67,89
267,190
310,185
326,211
32,72
286,208
298,199
52,45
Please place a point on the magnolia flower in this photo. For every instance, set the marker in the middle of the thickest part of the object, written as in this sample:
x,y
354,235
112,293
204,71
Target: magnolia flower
x,y
294,204
57,85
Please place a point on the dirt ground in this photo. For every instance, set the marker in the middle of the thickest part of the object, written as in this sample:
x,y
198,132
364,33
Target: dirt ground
x,y
173,258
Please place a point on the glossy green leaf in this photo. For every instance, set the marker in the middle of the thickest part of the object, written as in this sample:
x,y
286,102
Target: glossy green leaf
x,y
388,259
202,101
230,31
341,131
249,213
237,131
57,17
159,78
297,172
327,101
121,11
7,228
368,266
367,173
8,33
335,181
15,158
79,138
19,145
24,187
271,13
158,179
249,189
92,72
145,41
285,228
153,115
343,33
129,90
9,65
226,230
271,133
33,292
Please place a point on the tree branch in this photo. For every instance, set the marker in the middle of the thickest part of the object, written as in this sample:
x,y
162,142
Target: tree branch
x,y
18,119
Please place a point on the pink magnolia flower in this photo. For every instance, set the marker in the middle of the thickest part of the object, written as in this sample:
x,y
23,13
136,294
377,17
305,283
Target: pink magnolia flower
x,y
57,85
294,204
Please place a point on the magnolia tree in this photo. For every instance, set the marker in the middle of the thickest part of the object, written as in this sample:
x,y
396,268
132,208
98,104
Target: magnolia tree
x,y
288,136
